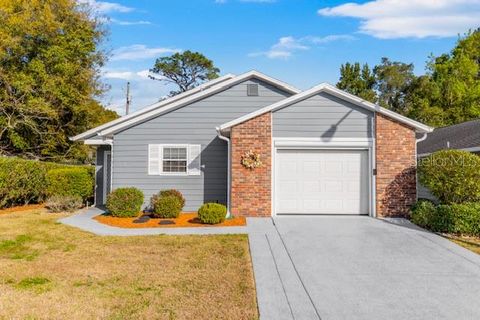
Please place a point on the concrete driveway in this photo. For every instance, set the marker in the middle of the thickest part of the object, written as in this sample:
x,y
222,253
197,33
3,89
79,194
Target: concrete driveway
x,y
328,267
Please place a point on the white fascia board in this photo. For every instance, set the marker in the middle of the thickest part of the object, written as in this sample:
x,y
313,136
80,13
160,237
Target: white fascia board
x,y
200,95
325,87
98,142
156,105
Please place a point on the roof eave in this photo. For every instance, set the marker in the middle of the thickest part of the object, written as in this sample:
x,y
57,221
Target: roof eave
x,y
95,131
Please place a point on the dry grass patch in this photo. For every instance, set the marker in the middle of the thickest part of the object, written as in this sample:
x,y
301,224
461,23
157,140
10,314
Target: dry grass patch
x,y
52,271
471,243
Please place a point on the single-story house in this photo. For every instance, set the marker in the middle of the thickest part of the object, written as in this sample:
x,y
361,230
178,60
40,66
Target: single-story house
x,y
463,136
263,148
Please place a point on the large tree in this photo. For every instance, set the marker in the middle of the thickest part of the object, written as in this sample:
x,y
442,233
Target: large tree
x,y
186,70
49,77
451,88
357,80
393,79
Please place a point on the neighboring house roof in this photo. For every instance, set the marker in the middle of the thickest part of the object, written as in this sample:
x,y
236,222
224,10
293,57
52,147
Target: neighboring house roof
x,y
463,136
328,88
179,101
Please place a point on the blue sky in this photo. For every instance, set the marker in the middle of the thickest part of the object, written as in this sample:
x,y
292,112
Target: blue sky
x,y
299,41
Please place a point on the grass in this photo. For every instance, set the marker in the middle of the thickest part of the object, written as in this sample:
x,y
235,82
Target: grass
x,y
52,271
470,243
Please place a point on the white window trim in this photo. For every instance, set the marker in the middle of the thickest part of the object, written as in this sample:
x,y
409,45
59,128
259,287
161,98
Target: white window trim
x,y
160,169
163,146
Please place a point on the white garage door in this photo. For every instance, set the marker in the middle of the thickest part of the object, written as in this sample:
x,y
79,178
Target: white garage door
x,y
321,182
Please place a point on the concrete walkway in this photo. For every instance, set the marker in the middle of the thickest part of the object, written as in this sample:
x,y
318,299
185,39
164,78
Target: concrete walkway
x,y
83,220
360,268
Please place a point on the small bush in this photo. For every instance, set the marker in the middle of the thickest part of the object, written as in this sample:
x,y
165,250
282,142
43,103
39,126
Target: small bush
x,y
70,182
451,175
212,213
173,192
63,203
167,207
125,202
422,213
455,218
466,217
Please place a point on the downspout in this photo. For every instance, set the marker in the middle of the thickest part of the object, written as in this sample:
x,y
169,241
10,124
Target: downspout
x,y
229,171
422,138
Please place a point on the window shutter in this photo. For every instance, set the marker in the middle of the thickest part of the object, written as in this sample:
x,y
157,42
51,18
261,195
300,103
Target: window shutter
x,y
154,158
194,162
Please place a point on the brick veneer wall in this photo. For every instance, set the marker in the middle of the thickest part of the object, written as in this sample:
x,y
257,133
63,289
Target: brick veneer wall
x,y
251,189
396,167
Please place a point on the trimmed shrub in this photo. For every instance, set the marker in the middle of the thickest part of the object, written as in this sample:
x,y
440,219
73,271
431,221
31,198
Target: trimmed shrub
x,y
451,175
125,202
422,213
63,203
466,217
69,182
455,218
167,207
24,181
173,192
212,213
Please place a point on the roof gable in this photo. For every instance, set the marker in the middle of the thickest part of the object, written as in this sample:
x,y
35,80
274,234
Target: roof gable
x,y
328,88
181,101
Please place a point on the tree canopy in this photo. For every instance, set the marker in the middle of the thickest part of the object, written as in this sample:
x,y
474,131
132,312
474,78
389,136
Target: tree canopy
x,y
186,70
448,93
357,80
49,77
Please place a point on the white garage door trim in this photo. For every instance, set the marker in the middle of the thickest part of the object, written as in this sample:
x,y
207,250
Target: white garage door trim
x,y
332,144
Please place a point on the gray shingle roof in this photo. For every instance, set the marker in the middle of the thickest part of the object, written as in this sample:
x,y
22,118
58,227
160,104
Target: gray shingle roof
x,y
459,136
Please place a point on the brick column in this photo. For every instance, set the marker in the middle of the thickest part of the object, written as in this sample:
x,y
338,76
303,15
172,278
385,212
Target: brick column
x,y
396,167
251,188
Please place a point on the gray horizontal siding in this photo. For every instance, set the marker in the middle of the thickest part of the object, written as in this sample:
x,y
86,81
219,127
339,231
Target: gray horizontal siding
x,y
192,124
322,116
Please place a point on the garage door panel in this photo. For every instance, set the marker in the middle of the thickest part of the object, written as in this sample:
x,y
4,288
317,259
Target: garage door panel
x,y
321,182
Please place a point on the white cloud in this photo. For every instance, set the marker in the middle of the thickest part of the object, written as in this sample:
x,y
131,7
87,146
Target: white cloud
x,y
126,75
130,23
287,46
251,1
139,52
107,7
388,19
329,38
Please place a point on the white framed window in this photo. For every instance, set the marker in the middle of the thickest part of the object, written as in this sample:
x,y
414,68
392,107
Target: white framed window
x,y
174,159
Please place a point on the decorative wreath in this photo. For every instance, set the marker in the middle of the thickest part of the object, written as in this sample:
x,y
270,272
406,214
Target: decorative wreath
x,y
251,160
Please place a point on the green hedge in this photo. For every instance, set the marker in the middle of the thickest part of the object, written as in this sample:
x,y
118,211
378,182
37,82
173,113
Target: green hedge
x,y
453,176
125,202
461,219
74,181
25,181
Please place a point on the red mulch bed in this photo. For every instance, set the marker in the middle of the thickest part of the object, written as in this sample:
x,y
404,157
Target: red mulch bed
x,y
185,220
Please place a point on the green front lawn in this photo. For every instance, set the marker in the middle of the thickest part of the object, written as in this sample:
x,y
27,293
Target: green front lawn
x,y
52,271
